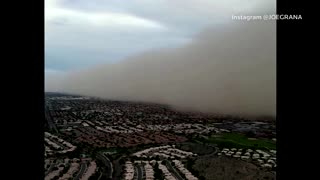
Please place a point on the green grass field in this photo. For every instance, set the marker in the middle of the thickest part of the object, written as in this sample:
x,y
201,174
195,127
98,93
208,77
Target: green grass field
x,y
230,140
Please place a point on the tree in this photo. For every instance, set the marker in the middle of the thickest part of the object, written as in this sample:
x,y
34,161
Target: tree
x,y
250,134
157,172
121,161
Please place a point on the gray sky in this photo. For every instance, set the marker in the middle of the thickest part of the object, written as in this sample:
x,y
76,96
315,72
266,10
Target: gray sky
x,y
81,33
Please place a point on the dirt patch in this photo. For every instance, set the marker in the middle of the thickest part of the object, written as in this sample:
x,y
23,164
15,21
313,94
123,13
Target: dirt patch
x,y
223,168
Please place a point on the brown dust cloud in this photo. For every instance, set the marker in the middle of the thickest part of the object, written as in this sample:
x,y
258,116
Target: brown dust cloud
x,y
224,70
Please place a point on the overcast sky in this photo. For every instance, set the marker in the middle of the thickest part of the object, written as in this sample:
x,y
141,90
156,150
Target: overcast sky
x,y
84,33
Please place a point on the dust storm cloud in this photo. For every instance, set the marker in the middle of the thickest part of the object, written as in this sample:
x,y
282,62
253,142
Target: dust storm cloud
x,y
225,70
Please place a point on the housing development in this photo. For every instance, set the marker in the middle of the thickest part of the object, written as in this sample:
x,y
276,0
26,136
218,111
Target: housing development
x,y
90,138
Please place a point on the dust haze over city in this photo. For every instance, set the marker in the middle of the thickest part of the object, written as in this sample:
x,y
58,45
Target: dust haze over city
x,y
230,69
162,71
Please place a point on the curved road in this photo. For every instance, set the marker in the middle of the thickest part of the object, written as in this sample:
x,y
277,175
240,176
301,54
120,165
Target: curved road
x,y
174,171
83,167
108,164
100,176
213,153
139,172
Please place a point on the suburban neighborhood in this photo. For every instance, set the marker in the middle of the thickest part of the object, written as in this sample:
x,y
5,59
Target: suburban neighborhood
x,y
91,138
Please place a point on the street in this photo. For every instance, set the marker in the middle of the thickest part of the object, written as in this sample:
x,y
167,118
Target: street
x,y
174,171
83,167
108,164
139,170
